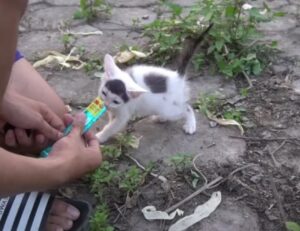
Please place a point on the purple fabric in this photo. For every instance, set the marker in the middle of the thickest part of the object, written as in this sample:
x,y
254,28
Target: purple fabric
x,y
18,56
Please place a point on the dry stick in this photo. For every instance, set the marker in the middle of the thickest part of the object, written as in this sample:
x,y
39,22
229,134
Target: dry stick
x,y
264,139
198,170
203,188
121,213
248,80
276,163
161,178
277,197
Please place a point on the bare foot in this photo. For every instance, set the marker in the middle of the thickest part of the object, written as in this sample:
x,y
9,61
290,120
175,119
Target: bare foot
x,y
61,216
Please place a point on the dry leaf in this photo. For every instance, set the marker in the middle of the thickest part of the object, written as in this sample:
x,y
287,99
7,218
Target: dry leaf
x,y
127,55
68,61
201,212
150,213
227,122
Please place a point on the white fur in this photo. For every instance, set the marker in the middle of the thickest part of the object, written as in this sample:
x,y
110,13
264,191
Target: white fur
x,y
171,105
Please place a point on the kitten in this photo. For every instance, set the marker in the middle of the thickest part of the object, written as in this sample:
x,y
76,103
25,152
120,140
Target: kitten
x,y
143,90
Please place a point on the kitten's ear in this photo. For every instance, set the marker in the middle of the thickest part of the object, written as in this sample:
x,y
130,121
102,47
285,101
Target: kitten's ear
x,y
135,90
110,67
135,94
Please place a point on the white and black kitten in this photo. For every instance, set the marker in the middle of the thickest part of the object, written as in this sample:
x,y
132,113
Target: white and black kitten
x,y
143,90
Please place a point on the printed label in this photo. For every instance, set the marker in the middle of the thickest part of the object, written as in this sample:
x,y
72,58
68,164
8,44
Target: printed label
x,y
3,203
95,107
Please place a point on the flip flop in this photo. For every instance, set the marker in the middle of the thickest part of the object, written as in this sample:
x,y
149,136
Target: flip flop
x,y
29,212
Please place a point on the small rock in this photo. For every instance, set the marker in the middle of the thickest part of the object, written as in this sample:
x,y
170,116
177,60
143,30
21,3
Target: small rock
x,y
296,86
213,124
145,17
255,179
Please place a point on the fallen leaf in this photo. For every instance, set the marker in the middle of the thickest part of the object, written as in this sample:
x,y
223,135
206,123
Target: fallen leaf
x,y
201,212
226,122
127,55
67,61
150,213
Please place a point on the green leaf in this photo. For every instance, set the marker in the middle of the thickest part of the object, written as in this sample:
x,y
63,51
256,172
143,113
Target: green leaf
x,y
279,14
219,45
78,15
230,11
292,226
256,69
176,9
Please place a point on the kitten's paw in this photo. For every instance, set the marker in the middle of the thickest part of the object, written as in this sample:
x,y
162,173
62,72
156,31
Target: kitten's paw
x,y
101,137
189,128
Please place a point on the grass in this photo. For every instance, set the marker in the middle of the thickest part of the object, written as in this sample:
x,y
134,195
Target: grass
x,y
91,9
233,45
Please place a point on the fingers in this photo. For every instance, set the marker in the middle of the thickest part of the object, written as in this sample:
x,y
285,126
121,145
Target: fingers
x,y
78,124
68,119
10,139
91,140
22,137
50,124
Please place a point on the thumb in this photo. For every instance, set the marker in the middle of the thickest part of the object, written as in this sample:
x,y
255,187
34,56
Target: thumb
x,y
78,123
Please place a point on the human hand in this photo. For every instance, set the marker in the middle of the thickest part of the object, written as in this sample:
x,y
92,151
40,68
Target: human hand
x,y
77,154
25,113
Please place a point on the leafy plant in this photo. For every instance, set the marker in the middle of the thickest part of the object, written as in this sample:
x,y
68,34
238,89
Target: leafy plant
x,y
292,226
111,152
232,46
105,175
210,105
132,179
181,161
99,221
67,40
90,9
93,65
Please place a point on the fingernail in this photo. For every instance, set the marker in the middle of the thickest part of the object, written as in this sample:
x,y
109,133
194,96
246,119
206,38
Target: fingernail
x,y
73,212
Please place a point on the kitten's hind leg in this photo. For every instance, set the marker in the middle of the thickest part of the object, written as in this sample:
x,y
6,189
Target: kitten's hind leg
x,y
190,121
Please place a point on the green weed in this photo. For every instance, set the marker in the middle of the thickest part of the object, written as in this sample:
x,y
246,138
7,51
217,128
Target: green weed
x,y
90,9
232,45
292,226
133,178
181,161
93,65
99,221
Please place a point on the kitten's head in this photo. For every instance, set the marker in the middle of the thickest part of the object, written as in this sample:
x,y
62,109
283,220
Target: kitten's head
x,y
117,87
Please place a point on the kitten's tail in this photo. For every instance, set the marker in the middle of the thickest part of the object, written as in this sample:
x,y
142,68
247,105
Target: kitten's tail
x,y
189,49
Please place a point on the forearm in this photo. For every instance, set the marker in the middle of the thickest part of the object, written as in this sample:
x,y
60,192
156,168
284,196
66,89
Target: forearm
x,y
22,174
10,14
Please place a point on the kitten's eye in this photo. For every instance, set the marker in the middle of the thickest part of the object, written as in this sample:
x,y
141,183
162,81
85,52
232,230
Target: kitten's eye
x,y
116,102
103,93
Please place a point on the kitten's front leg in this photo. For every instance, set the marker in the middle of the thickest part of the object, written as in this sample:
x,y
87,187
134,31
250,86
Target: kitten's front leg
x,y
112,128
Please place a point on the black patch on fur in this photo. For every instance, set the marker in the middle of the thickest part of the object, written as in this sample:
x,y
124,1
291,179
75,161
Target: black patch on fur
x,y
117,87
156,83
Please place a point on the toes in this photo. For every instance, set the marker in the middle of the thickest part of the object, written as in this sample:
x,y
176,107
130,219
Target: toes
x,y
59,222
63,209
53,227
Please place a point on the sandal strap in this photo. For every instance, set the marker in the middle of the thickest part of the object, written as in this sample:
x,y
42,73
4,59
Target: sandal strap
x,y
25,212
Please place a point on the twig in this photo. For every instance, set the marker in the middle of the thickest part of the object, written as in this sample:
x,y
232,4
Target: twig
x,y
277,197
244,184
272,154
230,175
203,188
198,170
264,139
248,79
161,178
121,213
240,169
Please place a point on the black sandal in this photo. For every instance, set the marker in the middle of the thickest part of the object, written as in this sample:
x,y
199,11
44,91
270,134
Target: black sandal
x,y
29,212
